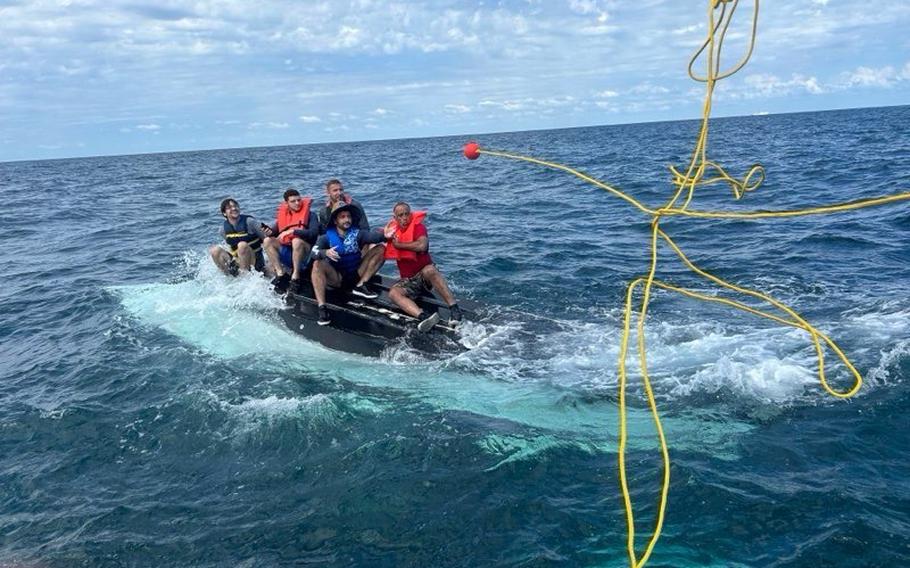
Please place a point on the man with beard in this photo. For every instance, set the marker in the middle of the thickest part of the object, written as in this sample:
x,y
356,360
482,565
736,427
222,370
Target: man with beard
x,y
339,262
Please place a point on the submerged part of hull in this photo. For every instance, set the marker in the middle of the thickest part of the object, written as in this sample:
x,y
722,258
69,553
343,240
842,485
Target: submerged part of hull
x,y
368,326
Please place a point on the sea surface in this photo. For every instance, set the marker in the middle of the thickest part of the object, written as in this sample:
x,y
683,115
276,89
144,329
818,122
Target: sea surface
x,y
156,413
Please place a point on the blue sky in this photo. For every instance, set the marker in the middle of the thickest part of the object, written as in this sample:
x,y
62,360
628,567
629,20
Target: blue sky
x,y
85,77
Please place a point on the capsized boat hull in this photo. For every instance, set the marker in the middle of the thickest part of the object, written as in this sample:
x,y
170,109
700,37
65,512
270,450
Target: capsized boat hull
x,y
368,326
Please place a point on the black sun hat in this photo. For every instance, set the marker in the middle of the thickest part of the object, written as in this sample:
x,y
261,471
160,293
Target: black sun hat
x,y
342,206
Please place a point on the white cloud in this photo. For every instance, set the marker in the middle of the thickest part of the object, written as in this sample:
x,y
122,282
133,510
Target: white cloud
x,y
457,108
348,37
769,85
150,127
335,116
811,85
648,88
586,7
583,6
553,101
512,64
684,30
270,125
869,77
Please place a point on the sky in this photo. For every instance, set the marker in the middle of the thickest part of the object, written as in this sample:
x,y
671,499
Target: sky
x,y
86,77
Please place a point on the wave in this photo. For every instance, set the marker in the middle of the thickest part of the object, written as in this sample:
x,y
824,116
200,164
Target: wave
x,y
234,320
552,375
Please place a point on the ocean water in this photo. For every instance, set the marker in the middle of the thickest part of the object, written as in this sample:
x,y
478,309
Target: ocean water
x,y
156,413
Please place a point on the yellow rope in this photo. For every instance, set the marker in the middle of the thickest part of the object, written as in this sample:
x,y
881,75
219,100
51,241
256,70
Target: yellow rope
x,y
719,18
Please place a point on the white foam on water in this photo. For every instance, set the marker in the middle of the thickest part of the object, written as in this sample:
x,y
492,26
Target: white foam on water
x,y
763,365
882,328
208,314
559,376
257,413
516,448
881,374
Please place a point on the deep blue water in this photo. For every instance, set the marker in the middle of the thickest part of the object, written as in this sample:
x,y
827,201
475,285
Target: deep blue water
x,y
155,413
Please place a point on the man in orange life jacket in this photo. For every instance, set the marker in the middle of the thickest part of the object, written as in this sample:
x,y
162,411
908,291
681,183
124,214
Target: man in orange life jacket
x,y
338,259
298,228
409,244
243,236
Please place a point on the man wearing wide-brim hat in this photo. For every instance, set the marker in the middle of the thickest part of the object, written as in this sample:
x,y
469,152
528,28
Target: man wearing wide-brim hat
x,y
339,260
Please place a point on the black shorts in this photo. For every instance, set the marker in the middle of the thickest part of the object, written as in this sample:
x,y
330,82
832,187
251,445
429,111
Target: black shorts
x,y
349,280
414,286
258,265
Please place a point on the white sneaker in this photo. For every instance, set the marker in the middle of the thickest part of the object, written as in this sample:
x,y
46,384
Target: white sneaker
x,y
426,323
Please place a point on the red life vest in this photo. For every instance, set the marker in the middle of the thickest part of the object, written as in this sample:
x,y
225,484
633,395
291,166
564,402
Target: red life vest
x,y
404,236
287,219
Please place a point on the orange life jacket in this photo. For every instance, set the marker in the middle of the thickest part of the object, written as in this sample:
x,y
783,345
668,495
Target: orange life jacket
x,y
404,236
287,219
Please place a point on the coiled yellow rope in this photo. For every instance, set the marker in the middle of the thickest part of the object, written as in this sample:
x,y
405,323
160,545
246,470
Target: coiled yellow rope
x,y
719,18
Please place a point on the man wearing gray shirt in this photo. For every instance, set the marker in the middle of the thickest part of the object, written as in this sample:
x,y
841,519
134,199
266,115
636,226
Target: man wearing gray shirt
x,y
335,194
243,237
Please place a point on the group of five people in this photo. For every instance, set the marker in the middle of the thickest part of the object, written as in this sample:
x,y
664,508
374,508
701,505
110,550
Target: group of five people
x,y
338,247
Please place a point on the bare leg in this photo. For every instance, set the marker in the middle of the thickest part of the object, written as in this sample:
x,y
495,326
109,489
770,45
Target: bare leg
x,y
432,275
221,258
372,261
245,256
266,269
317,277
270,244
407,305
300,250
323,275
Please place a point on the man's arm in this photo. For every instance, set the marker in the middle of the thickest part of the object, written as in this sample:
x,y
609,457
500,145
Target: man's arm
x,y
417,245
254,226
324,214
421,243
322,245
370,237
363,223
312,229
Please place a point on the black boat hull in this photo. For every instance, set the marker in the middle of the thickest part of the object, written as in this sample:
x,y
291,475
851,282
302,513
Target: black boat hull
x,y
370,326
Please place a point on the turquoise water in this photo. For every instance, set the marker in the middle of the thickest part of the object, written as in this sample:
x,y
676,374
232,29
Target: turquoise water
x,y
153,412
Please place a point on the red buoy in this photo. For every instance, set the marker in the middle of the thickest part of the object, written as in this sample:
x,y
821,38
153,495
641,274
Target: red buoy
x,y
472,150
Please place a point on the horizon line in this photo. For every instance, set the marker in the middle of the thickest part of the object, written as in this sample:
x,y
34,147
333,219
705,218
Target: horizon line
x,y
189,151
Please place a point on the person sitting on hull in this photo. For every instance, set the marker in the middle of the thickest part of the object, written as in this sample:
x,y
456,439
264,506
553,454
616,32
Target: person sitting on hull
x,y
335,197
243,240
409,245
334,191
338,260
298,229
